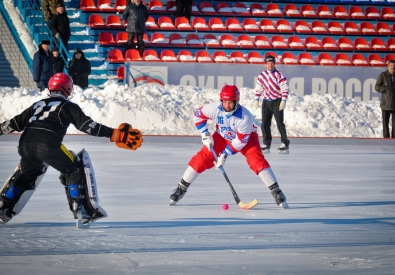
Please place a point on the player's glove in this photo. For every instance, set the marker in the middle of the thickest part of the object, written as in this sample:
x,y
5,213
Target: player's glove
x,y
207,140
220,160
126,137
282,105
256,103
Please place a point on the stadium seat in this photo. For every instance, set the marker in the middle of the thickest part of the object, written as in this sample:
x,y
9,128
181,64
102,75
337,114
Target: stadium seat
x,y
328,43
278,60
114,22
150,24
120,5
115,56
220,57
207,8
121,73
273,9
306,59
155,6
308,11
340,12
288,58
105,6
182,24
367,28
233,25
294,42
359,60
302,26
345,44
96,21
324,11
387,13
278,42
266,25
283,26
361,44
175,39
240,9
377,44
88,6
223,9
372,13
261,42
255,58
356,12
351,28
171,7
334,27
388,57
216,24
342,59
158,39
193,40
375,60
121,38
250,25
211,41
311,43
257,10
391,44
203,57
132,55
195,10
318,27
292,10
168,56
150,55
185,56
106,38
166,24
244,41
324,59
237,57
200,24
383,28
227,41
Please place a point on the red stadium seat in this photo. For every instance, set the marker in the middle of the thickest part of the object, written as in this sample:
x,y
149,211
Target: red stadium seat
x,y
387,13
158,39
266,25
182,23
261,42
257,10
294,42
250,25
88,6
282,25
292,10
200,24
289,58
195,10
367,28
233,25
115,56
334,27
324,12
132,55
216,24
193,40
255,58
171,7
383,28
227,41
318,27
302,26
105,6
150,55
345,44
165,23
211,41
155,6
237,57
121,38
377,44
359,60
273,9
220,57
278,60
121,73
361,44
114,22
308,11
342,59
240,9
150,24
120,5
223,8
328,43
168,56
311,43
351,28
207,8
106,38
375,60
356,12
96,21
340,12
388,57
324,59
391,44
244,41
306,59
175,39
278,42
185,56
372,13
203,57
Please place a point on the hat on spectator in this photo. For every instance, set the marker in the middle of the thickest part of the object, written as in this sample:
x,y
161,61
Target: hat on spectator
x,y
59,5
55,49
77,50
45,42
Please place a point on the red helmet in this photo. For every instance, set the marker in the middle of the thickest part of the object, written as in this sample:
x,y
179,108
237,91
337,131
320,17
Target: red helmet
x,y
61,82
230,92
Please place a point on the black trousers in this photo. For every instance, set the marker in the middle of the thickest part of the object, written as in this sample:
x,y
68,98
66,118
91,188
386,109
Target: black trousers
x,y
131,37
270,109
386,119
184,8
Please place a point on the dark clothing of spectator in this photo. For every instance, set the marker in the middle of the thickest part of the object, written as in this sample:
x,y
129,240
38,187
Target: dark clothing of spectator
x,y
60,27
136,16
80,69
49,8
42,66
184,8
57,61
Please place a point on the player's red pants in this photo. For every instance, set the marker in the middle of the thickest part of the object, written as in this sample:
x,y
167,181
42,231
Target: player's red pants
x,y
252,151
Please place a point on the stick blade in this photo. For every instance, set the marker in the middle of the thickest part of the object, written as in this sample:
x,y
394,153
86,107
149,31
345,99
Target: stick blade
x,y
249,205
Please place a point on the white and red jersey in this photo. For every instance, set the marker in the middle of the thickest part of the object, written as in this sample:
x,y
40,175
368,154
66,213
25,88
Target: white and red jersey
x,y
236,128
272,85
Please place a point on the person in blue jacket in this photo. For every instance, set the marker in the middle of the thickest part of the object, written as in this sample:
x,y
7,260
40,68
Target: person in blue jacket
x,y
42,65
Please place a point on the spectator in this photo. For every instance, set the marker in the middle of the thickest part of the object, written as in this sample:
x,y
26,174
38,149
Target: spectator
x,y
60,26
385,85
80,69
49,8
272,85
57,61
42,65
136,14
184,8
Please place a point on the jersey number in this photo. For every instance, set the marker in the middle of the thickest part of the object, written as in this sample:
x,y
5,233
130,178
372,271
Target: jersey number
x,y
41,110
220,120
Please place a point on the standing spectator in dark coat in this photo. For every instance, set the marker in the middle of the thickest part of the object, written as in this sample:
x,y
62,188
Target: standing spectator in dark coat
x,y
184,8
49,8
385,85
136,14
57,61
42,65
60,26
80,69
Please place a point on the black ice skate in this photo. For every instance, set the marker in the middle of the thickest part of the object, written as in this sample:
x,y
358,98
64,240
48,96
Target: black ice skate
x,y
82,216
5,210
283,149
265,149
178,193
278,196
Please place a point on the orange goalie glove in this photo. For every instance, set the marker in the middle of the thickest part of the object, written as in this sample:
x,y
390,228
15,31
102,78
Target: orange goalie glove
x,y
126,137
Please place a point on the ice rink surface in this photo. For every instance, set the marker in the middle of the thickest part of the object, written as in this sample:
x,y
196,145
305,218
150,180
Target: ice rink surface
x,y
341,218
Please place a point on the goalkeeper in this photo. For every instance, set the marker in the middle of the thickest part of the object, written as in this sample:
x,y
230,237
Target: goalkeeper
x,y
44,125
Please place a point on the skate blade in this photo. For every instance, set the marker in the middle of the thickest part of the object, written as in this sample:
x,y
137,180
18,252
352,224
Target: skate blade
x,y
283,152
172,202
266,151
284,205
81,225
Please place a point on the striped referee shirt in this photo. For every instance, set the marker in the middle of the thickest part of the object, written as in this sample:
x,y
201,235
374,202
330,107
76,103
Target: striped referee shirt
x,y
272,85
